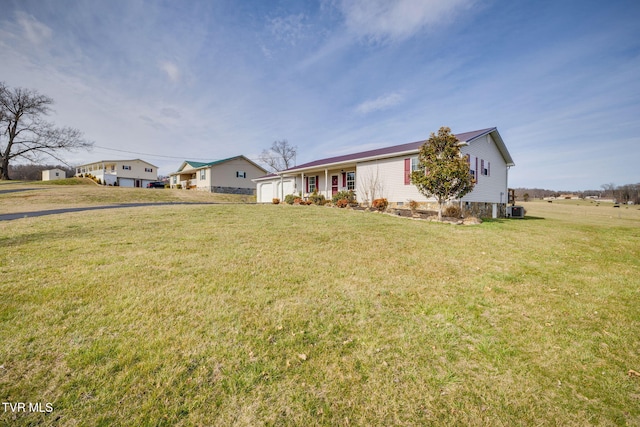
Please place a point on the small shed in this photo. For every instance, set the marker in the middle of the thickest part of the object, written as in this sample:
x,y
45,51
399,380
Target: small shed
x,y
53,174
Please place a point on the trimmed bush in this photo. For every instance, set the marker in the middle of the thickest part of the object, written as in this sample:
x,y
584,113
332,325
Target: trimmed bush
x,y
341,203
452,211
317,199
380,204
275,201
350,196
290,198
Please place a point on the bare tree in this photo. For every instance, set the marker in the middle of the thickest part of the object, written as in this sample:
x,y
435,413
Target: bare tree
x,y
371,185
25,135
280,156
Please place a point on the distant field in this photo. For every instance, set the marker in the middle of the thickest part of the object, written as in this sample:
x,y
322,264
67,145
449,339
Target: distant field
x,y
300,315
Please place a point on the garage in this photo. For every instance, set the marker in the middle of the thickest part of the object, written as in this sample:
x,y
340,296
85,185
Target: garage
x,y
126,182
266,192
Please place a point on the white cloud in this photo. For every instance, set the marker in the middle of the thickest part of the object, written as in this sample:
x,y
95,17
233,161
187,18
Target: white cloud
x,y
380,103
172,70
289,28
380,20
33,30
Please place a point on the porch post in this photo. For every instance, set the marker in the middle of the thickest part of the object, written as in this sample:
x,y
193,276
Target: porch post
x,y
326,182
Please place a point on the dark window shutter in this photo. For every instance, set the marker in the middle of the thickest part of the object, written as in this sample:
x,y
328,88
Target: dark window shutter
x,y
482,166
344,179
407,171
317,182
477,171
306,180
489,168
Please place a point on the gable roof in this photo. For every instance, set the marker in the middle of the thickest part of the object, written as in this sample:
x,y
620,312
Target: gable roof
x,y
201,165
396,150
118,161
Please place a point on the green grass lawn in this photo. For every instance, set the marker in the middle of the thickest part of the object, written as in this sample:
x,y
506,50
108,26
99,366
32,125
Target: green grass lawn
x,y
302,315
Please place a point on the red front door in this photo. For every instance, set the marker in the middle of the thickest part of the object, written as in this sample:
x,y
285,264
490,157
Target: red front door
x,y
334,184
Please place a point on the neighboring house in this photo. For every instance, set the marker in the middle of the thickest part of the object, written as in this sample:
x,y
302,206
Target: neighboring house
x,y
53,174
386,172
124,173
233,175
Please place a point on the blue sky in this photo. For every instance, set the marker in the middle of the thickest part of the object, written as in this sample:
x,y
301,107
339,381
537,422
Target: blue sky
x,y
210,79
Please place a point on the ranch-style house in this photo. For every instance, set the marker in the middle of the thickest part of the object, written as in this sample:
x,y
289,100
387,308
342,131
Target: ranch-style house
x,y
386,172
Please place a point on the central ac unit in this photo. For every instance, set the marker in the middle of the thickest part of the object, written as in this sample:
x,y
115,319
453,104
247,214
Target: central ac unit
x,y
515,212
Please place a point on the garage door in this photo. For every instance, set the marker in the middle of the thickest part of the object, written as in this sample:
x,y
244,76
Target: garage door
x,y
266,192
126,182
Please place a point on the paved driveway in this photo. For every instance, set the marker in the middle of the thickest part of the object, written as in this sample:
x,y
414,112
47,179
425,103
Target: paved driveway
x,y
18,215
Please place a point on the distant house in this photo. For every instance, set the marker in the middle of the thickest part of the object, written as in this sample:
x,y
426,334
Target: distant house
x,y
53,174
123,173
386,172
233,175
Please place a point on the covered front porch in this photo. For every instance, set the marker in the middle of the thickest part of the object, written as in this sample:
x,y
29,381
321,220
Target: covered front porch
x,y
326,182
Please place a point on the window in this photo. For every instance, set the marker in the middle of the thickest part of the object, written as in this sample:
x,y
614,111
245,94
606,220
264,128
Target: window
x,y
126,167
414,164
312,184
203,174
148,169
57,173
351,180
241,174
175,179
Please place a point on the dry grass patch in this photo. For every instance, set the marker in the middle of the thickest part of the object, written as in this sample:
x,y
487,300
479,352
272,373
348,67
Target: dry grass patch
x,y
286,315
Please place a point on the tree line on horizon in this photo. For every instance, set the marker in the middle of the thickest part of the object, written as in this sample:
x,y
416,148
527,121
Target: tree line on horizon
x,y
620,193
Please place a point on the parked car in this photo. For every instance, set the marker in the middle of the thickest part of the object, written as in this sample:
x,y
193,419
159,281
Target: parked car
x,y
155,184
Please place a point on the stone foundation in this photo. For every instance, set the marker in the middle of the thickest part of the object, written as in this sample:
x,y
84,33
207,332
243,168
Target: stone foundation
x,y
234,190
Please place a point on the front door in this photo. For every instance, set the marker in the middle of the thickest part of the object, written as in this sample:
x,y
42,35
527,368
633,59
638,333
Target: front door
x,y
334,184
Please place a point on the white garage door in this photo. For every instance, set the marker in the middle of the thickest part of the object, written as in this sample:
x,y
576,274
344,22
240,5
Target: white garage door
x,y
266,192
126,182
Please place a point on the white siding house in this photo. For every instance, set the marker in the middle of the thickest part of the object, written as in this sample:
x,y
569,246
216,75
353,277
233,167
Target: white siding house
x,y
385,173
123,173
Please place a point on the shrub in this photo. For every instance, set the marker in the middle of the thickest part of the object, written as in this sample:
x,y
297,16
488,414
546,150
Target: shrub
x,y
275,201
350,196
298,201
179,186
380,204
413,205
452,211
341,203
290,198
317,199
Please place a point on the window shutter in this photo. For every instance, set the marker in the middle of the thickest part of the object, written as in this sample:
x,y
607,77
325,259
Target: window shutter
x,y
489,168
477,172
317,182
407,171
306,181
482,166
344,179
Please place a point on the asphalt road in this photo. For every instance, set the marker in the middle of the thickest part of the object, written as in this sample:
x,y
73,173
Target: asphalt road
x,y
18,215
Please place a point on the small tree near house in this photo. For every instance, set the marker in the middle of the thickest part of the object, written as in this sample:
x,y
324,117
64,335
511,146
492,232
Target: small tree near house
x,y
443,173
